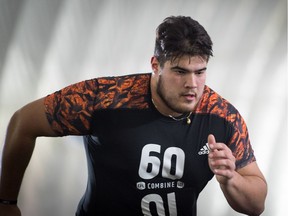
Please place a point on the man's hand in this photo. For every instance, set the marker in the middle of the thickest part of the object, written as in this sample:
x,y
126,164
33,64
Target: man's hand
x,y
9,210
244,189
221,160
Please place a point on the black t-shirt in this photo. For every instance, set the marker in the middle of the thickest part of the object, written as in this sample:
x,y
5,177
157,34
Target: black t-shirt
x,y
139,161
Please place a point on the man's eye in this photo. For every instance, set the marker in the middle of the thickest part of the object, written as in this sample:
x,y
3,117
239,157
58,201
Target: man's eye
x,y
180,72
200,72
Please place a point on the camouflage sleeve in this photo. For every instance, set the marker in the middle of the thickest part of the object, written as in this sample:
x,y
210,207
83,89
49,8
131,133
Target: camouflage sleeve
x,y
69,110
240,142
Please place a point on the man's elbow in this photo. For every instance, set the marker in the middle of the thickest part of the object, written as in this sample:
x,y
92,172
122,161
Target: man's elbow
x,y
255,209
258,210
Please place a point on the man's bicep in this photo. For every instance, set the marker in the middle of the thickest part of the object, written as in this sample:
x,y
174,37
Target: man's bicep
x,y
251,169
32,120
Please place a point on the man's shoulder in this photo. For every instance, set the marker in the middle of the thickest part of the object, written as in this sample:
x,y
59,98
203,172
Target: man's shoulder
x,y
126,78
214,103
125,91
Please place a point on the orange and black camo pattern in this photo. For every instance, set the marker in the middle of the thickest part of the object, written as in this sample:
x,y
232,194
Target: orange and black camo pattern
x,y
70,110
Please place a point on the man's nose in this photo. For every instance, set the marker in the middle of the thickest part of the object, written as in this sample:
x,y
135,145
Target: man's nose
x,y
190,81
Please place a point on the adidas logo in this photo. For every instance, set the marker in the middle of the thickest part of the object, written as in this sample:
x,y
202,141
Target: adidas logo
x,y
204,150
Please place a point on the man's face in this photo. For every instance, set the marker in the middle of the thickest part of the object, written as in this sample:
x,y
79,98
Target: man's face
x,y
180,83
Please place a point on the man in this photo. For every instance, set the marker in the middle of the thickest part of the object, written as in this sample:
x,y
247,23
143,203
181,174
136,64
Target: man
x,y
153,141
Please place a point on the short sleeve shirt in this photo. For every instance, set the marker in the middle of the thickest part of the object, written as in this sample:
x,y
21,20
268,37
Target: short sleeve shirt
x,y
139,161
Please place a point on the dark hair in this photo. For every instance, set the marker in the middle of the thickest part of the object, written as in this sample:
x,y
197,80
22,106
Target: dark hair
x,y
177,36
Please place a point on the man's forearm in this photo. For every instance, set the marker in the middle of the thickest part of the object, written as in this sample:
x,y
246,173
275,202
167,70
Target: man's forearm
x,y
15,158
246,194
25,126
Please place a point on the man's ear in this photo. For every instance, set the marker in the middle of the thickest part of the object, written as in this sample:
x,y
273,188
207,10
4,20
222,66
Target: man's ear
x,y
154,64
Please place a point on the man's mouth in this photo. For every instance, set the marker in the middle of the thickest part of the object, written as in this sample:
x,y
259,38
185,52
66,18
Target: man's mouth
x,y
190,96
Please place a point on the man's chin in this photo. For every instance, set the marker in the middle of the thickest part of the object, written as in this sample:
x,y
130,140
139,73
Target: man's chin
x,y
185,109
190,107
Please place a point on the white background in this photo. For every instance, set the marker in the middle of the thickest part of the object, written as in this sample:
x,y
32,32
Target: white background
x,y
48,44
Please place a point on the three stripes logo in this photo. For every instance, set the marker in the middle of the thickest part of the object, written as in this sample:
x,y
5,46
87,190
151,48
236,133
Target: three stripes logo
x,y
204,150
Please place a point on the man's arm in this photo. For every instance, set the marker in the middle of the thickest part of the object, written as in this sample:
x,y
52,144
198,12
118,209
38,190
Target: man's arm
x,y
244,189
24,127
